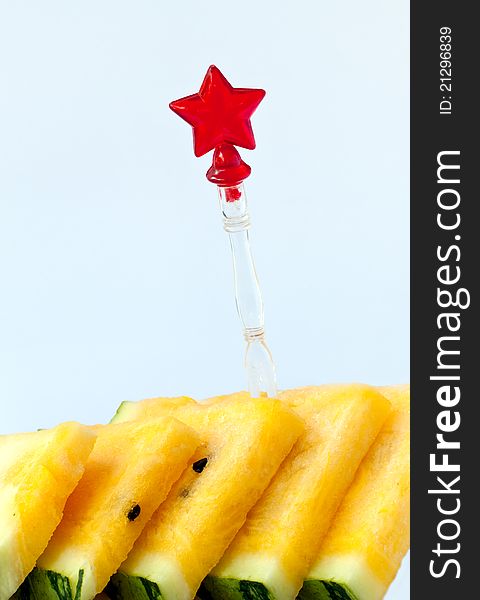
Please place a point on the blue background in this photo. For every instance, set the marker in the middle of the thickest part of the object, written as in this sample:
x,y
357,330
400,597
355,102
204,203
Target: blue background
x,y
115,272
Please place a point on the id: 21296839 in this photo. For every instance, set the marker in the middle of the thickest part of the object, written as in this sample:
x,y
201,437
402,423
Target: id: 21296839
x,y
445,71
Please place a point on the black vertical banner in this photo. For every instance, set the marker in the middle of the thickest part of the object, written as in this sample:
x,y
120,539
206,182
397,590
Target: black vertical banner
x,y
445,332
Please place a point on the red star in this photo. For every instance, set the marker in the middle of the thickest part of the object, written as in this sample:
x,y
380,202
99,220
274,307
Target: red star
x,y
219,113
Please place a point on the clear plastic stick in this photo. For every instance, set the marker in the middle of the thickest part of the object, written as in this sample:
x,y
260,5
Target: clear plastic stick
x,y
258,359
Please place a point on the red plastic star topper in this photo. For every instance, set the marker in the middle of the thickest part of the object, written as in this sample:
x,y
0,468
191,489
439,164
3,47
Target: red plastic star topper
x,y
220,117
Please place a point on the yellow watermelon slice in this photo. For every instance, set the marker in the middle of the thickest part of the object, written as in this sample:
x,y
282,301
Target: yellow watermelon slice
x,y
364,547
129,473
273,551
150,408
38,471
243,446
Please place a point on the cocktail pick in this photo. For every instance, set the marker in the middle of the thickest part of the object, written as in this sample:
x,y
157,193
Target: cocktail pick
x,y
220,117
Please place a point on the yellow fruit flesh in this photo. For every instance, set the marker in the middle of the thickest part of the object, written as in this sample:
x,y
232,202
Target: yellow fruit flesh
x,y
371,529
131,464
245,444
284,530
150,408
226,398
38,471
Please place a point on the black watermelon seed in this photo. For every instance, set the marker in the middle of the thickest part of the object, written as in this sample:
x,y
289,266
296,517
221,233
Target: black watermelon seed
x,y
200,465
134,512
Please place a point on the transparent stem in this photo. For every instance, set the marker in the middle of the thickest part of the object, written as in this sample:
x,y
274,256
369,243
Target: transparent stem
x,y
258,359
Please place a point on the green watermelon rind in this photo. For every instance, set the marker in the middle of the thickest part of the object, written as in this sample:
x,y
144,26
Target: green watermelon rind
x,y
129,587
43,584
314,589
219,588
223,588
124,412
